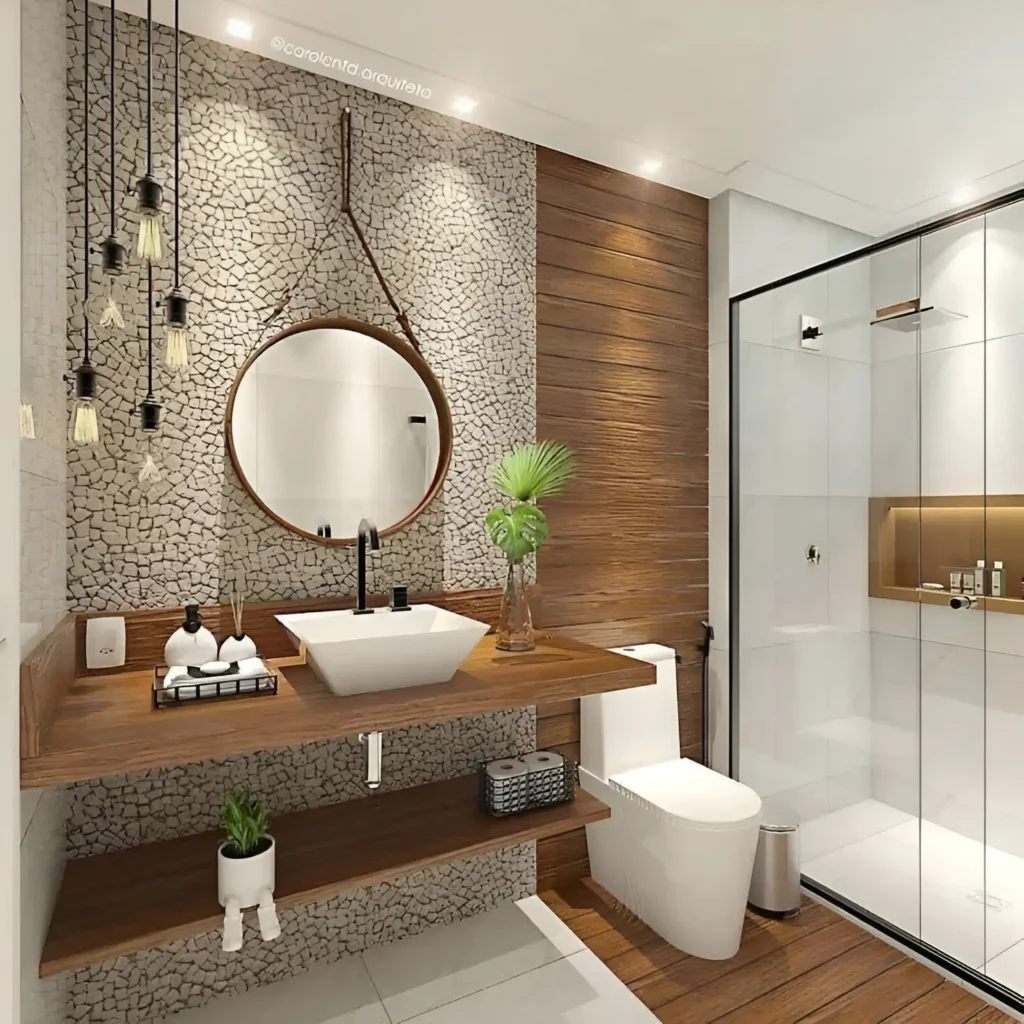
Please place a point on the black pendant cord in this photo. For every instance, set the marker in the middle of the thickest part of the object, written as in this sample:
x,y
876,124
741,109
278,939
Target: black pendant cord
x,y
113,129
149,334
149,86
85,178
177,144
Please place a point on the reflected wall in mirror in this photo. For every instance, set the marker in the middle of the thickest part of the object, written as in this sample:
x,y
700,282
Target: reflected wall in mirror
x,y
333,420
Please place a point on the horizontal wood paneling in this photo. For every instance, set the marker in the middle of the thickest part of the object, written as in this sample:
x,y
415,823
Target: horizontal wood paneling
x,y
602,319
604,234
607,348
568,195
619,266
583,172
622,365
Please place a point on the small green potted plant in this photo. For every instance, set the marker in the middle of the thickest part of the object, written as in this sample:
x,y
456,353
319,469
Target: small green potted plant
x,y
518,527
245,859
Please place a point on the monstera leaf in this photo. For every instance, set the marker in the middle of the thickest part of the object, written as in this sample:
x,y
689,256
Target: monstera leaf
x,y
518,531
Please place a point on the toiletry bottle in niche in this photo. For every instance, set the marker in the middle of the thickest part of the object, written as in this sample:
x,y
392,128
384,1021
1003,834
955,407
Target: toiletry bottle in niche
x,y
955,582
192,644
967,582
979,577
998,580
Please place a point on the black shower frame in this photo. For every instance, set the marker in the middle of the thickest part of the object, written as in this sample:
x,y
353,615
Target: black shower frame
x,y
920,948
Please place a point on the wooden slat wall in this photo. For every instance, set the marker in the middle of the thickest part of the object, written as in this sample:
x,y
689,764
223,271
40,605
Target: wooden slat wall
x,y
622,371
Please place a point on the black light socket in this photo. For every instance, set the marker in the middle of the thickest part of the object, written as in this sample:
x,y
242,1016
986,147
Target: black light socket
x,y
113,255
177,309
150,410
150,193
85,381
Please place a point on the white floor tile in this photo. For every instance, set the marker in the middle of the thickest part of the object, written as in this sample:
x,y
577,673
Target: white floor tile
x,y
565,940
1008,968
833,831
340,993
447,963
576,990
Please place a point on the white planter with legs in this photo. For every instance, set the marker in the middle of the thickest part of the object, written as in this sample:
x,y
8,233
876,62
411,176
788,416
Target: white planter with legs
x,y
245,879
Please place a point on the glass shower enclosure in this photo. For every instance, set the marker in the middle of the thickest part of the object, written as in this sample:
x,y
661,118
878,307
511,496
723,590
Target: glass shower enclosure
x,y
877,581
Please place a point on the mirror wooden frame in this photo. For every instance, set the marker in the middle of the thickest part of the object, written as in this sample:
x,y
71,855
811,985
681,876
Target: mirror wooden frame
x,y
402,348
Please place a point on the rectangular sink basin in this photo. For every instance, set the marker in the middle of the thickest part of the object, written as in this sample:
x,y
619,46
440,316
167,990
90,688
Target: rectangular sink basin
x,y
386,650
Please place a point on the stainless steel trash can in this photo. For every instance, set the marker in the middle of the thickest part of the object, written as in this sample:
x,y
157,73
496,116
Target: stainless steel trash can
x,y
775,883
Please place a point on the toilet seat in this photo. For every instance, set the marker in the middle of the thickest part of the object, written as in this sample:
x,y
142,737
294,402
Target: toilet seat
x,y
691,795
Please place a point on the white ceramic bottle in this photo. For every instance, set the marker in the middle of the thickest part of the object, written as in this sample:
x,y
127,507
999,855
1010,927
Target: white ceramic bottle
x,y
192,644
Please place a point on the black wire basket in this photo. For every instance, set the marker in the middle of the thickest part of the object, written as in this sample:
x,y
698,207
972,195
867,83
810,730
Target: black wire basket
x,y
200,689
501,797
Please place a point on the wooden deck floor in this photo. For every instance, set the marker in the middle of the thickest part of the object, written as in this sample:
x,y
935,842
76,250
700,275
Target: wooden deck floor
x,y
817,968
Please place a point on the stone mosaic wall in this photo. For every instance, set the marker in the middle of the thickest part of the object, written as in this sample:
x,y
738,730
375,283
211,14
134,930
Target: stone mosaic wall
x,y
138,988
449,209
141,807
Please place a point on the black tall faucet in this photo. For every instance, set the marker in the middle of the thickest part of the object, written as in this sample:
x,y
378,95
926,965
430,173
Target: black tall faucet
x,y
366,529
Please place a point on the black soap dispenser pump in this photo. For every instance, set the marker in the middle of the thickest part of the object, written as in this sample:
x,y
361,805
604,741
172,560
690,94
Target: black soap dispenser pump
x,y
192,644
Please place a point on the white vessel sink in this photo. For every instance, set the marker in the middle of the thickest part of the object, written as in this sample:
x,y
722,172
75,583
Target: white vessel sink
x,y
386,650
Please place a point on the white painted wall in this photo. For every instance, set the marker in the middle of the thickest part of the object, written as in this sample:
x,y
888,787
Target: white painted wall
x,y
40,463
805,478
10,302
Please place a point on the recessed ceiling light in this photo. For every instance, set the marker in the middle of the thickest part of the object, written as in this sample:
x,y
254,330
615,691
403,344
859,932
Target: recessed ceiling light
x,y
650,167
239,28
463,105
959,196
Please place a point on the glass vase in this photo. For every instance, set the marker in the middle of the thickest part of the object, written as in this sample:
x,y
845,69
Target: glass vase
x,y
515,625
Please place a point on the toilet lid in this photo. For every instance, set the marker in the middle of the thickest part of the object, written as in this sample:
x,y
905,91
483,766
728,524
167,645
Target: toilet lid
x,y
688,790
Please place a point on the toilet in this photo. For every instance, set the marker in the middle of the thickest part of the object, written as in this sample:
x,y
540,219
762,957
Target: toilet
x,y
679,847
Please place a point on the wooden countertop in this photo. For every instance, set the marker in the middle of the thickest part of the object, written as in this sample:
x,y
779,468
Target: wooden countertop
x,y
119,903
105,725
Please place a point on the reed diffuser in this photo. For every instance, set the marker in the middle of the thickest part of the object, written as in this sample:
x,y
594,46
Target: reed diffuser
x,y
238,646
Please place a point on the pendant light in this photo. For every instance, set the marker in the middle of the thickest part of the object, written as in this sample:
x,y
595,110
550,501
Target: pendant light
x,y
150,471
84,427
176,341
150,246
112,252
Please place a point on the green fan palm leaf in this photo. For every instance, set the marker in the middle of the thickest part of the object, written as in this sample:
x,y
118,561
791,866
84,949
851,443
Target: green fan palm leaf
x,y
533,471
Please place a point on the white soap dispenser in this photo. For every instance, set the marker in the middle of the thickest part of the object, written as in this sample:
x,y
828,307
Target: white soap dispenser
x,y
192,644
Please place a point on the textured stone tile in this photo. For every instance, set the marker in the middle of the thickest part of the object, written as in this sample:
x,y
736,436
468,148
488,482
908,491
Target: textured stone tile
x,y
450,211
118,812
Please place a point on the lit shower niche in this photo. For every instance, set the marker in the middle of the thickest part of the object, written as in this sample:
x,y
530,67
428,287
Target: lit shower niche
x,y
918,541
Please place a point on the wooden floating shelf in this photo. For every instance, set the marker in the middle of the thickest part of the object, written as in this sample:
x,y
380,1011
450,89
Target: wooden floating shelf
x,y
119,903
1006,605
106,725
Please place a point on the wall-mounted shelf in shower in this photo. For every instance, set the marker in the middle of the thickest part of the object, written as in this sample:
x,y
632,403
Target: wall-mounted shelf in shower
x,y
917,539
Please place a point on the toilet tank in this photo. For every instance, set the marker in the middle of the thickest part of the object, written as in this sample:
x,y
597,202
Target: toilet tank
x,y
628,729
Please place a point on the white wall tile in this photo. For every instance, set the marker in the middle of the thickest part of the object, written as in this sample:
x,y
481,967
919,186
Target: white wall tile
x,y
953,738
894,618
846,558
718,699
718,569
779,589
1004,386
895,467
953,420
718,269
894,275
756,319
894,721
783,422
1004,634
718,419
1004,270
1004,751
953,278
849,428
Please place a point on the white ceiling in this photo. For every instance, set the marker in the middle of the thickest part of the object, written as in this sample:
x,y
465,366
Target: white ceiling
x,y
864,112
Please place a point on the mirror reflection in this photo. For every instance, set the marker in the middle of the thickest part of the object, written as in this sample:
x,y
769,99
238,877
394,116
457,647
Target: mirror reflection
x,y
330,425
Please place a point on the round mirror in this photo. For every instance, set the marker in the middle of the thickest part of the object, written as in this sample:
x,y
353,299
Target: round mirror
x,y
335,420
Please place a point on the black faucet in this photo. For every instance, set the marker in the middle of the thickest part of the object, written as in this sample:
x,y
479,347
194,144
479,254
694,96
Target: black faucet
x,y
366,529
